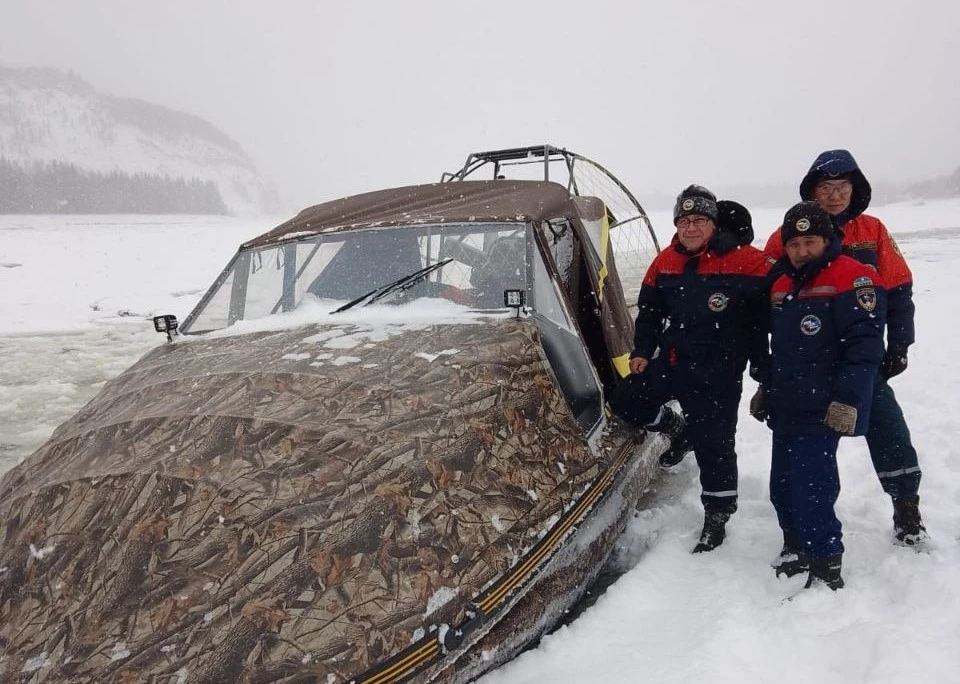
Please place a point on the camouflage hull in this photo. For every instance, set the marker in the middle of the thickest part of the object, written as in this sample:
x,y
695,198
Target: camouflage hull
x,y
321,504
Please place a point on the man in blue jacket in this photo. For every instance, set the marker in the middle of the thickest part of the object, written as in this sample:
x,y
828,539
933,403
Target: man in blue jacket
x,y
700,320
827,313
837,184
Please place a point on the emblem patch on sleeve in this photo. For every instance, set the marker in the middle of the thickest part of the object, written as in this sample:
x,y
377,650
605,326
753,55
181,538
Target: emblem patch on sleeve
x,y
718,302
810,325
896,247
862,281
867,298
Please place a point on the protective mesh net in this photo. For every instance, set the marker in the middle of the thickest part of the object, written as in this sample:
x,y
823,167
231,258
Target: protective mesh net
x,y
631,234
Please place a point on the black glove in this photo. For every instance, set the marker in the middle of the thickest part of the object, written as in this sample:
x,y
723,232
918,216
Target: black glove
x,y
758,404
894,363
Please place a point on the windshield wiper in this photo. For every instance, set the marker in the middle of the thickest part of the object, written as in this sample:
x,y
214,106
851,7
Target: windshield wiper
x,y
398,285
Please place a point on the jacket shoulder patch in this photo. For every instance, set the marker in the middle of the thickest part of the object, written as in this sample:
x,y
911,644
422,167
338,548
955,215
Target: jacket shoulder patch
x,y
867,298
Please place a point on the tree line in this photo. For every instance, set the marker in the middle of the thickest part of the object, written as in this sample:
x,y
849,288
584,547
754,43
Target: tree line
x,y
63,188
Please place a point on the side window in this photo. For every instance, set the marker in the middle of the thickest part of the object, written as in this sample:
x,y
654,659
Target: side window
x,y
572,261
558,236
564,349
546,300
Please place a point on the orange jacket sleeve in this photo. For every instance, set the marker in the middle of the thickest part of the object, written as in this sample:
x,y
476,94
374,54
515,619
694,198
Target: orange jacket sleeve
x,y
774,247
890,262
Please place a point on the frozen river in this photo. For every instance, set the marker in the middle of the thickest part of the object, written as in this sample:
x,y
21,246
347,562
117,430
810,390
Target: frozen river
x,y
46,377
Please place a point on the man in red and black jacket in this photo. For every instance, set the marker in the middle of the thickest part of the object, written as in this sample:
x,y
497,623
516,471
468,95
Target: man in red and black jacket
x,y
837,184
826,336
701,317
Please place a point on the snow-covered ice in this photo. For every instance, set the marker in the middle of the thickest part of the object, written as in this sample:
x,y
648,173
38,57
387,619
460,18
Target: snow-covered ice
x,y
77,292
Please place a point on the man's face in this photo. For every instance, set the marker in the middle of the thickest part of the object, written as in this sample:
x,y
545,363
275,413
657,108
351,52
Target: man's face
x,y
833,196
695,231
804,248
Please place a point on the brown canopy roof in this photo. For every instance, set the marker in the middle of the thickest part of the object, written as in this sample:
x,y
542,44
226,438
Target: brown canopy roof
x,y
474,201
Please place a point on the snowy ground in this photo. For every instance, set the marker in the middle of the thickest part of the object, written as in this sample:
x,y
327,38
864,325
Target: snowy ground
x,y
77,290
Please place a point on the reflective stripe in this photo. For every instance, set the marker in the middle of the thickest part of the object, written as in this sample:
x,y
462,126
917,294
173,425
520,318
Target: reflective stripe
x,y
729,492
819,291
902,471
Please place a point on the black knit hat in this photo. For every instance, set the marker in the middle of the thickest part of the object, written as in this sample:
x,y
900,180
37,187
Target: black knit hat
x,y
806,218
695,199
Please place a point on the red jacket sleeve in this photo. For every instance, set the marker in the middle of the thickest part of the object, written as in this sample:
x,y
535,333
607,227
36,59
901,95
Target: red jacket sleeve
x,y
650,313
898,281
774,247
890,262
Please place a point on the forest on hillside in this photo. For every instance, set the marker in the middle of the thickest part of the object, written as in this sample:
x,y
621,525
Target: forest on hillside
x,y
62,188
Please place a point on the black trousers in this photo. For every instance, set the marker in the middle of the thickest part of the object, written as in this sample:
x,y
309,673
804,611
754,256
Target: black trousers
x,y
710,399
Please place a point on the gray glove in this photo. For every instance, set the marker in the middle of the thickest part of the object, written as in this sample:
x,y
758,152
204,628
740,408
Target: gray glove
x,y
841,417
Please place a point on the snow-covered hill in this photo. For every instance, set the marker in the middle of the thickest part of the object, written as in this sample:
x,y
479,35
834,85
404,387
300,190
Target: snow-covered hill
x,y
47,115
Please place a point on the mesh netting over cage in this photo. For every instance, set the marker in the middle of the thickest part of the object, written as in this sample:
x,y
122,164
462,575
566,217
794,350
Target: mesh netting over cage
x,y
631,234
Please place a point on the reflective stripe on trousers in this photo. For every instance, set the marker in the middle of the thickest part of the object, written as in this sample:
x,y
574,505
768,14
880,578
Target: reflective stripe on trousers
x,y
888,437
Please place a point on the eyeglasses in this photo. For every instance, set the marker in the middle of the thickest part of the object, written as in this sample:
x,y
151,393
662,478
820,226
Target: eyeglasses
x,y
698,221
833,188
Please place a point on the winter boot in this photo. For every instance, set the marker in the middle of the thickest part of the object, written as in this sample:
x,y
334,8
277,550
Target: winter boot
x,y
825,571
792,560
713,531
907,525
673,426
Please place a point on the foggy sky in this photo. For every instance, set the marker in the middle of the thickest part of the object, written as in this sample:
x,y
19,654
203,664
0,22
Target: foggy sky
x,y
336,97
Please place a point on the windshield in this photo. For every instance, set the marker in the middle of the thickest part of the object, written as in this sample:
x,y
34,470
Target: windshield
x,y
482,260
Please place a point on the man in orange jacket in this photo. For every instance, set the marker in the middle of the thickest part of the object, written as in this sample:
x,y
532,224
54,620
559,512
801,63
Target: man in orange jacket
x,y
837,184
